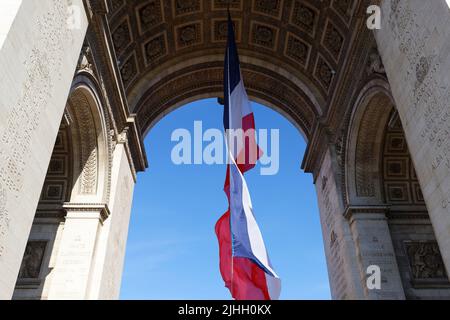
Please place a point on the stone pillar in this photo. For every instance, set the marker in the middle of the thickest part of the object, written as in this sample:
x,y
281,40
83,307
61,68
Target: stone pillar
x,y
340,249
110,253
374,248
37,63
74,263
414,43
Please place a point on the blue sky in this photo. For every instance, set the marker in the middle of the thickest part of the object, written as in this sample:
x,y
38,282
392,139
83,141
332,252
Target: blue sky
x,y
172,250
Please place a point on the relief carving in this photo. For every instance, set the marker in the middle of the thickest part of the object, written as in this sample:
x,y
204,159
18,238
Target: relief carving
x,y
333,41
187,6
425,260
269,7
155,49
32,260
304,17
204,79
375,64
264,36
128,71
298,50
150,15
324,73
88,144
84,60
121,36
366,157
189,35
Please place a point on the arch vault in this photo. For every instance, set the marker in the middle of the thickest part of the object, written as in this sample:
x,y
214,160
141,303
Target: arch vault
x,y
372,106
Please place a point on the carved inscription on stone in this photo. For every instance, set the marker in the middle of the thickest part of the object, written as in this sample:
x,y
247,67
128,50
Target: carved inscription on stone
x,y
4,218
431,97
25,116
331,227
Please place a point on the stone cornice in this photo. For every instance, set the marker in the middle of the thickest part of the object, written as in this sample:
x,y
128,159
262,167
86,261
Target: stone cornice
x,y
315,150
101,208
352,213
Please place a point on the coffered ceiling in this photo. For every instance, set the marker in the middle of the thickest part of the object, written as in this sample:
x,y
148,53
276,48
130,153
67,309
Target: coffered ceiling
x,y
171,51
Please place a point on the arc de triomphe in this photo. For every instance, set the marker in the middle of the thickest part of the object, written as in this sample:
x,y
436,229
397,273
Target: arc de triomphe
x,y
83,81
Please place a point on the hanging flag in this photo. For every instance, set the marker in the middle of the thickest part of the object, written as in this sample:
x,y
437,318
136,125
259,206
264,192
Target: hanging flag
x,y
244,262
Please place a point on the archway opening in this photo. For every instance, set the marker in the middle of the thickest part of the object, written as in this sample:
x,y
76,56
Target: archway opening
x,y
76,181
172,250
386,206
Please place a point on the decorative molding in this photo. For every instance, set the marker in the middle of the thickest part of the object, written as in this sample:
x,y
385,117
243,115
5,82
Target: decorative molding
x,y
155,49
149,15
186,7
333,40
203,78
352,213
84,62
304,17
367,143
122,36
223,4
298,50
271,8
87,135
188,35
129,70
375,64
101,208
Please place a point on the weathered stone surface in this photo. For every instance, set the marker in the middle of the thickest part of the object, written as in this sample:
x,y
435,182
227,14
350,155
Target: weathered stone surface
x,y
414,43
328,79
37,62
340,248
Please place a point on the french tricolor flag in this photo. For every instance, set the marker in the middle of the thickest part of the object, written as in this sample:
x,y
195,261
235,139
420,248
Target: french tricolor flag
x,y
244,261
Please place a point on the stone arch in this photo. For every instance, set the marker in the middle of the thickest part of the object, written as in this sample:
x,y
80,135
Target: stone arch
x,y
278,89
292,53
386,210
77,180
418,254
91,140
365,142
